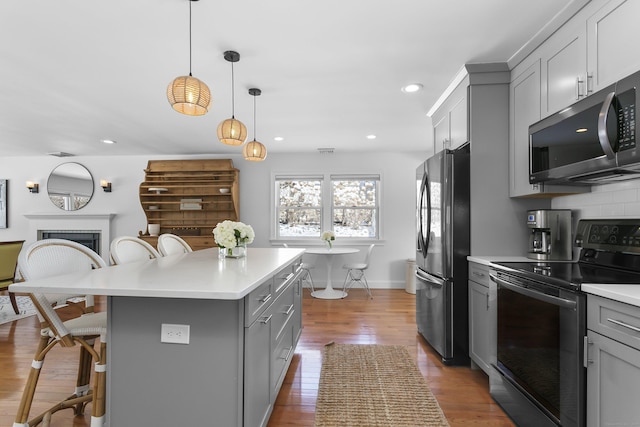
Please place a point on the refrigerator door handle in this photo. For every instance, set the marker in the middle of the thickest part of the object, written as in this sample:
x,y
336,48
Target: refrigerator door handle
x,y
424,276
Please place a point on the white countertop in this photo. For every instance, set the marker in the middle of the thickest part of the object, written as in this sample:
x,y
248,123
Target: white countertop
x,y
629,294
198,274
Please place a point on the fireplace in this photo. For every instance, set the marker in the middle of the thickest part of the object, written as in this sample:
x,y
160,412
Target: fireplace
x,y
91,230
88,238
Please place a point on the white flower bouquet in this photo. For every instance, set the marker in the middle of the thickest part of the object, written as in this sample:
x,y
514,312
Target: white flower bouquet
x,y
232,234
328,237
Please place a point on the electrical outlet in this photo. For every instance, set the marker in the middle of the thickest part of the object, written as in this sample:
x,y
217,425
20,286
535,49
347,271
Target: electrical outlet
x,y
176,334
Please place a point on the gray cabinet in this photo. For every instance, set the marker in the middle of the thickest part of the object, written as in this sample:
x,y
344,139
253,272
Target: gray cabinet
x,y
270,342
450,121
482,318
230,372
524,110
613,33
564,68
613,363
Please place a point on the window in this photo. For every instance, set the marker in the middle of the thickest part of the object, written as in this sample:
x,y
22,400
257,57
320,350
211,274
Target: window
x,y
346,204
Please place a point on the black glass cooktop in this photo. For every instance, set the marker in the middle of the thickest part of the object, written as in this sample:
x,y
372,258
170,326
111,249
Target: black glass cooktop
x,y
572,274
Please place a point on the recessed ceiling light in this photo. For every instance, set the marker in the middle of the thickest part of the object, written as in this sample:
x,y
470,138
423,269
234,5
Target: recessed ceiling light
x,y
278,138
413,87
108,141
371,137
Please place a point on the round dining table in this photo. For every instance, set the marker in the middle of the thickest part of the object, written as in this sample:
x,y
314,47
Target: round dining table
x,y
328,254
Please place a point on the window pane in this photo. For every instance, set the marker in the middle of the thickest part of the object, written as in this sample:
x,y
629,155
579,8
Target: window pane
x,y
299,222
300,193
354,193
354,222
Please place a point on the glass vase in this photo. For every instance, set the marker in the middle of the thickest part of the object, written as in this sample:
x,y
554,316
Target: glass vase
x,y
239,251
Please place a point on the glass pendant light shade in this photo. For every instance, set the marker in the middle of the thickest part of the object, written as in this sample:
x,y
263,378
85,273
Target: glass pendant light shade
x,y
232,132
189,95
254,151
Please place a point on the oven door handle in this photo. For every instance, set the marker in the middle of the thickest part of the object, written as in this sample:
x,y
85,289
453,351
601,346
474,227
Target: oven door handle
x,y
561,302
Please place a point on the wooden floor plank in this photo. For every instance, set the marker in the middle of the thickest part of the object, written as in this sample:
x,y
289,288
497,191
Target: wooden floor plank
x,y
388,318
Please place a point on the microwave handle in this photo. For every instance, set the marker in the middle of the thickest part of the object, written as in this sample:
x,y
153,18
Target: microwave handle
x,y
603,137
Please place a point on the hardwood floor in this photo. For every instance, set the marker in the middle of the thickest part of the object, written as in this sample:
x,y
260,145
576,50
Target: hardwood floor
x,y
389,318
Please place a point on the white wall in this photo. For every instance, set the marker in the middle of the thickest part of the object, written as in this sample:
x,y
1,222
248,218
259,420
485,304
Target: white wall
x,y
398,193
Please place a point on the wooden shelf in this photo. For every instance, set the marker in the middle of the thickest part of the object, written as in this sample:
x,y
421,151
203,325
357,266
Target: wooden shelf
x,y
186,185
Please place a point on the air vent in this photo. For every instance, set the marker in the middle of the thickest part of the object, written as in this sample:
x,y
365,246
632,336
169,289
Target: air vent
x,y
60,154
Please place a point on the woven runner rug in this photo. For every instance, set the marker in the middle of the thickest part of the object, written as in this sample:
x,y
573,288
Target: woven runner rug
x,y
373,386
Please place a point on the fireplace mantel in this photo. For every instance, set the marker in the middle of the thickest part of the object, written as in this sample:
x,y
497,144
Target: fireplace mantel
x,y
39,221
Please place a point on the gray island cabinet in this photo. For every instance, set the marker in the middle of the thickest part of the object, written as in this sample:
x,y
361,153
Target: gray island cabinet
x,y
244,321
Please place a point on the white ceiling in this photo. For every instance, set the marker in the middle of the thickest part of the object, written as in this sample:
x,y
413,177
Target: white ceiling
x,y
75,72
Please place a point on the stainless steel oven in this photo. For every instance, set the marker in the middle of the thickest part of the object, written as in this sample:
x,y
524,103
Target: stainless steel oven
x,y
539,351
539,377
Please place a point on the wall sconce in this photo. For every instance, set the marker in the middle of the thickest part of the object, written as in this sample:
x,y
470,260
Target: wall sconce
x,y
32,186
106,185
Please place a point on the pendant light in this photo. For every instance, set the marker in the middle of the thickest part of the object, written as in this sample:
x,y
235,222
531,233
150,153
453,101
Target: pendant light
x,y
187,94
254,151
232,131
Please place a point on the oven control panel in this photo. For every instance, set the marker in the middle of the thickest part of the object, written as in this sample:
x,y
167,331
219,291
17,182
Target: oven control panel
x,y
620,235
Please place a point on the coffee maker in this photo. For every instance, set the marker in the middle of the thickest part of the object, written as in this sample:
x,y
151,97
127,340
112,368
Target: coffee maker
x,y
549,234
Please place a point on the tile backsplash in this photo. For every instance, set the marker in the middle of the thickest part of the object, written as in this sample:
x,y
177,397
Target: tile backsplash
x,y
619,200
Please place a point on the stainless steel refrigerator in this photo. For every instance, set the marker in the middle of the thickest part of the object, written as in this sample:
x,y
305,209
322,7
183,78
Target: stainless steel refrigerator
x,y
442,247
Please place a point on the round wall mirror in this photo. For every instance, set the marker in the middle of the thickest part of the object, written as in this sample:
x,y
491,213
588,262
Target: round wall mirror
x,y
70,186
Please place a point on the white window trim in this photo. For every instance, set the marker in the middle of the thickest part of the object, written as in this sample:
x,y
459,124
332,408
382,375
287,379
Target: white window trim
x,y
326,216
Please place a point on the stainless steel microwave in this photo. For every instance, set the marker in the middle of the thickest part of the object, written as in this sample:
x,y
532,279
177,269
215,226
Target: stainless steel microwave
x,y
591,142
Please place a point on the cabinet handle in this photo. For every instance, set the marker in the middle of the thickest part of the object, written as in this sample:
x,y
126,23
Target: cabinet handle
x,y
289,310
265,298
579,82
585,348
487,302
624,325
288,353
589,83
266,320
477,274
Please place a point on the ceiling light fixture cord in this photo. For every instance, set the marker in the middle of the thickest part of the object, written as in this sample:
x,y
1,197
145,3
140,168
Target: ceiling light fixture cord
x,y
233,94
190,38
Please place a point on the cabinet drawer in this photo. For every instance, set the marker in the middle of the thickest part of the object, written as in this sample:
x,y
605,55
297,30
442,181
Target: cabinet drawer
x,y
615,319
282,354
479,273
283,309
257,301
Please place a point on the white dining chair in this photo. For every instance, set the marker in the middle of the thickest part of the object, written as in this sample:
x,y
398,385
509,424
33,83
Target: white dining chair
x,y
355,273
306,268
53,257
169,244
126,249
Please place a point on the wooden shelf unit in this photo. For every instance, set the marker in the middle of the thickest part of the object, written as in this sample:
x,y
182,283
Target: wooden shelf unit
x,y
185,198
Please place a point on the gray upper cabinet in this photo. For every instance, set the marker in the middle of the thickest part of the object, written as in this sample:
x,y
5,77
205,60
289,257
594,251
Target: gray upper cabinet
x,y
524,109
564,68
612,34
590,51
450,121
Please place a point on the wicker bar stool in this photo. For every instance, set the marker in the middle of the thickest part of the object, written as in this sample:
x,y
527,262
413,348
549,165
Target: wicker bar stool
x,y
169,244
126,249
53,257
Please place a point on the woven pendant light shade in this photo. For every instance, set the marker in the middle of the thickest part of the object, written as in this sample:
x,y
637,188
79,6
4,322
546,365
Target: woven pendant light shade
x,y
189,95
232,132
254,151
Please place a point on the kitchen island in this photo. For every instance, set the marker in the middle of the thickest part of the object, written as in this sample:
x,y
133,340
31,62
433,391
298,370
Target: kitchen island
x,y
239,319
